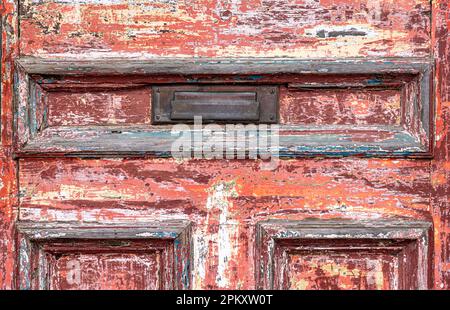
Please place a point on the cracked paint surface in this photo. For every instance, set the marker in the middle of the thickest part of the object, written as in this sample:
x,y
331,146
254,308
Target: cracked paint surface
x,y
341,272
261,28
226,199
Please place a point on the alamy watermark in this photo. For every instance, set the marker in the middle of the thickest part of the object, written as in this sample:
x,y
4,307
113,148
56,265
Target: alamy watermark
x,y
227,141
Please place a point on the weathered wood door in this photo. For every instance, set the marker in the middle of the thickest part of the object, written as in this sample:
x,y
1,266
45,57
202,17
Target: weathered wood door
x,y
92,196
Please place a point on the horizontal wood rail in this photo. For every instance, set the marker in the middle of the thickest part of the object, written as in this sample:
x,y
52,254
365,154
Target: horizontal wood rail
x,y
37,79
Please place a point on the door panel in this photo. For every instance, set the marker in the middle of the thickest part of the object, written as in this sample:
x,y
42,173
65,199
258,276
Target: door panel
x,y
221,199
156,255
38,134
335,270
343,254
98,107
342,107
106,271
300,28
90,197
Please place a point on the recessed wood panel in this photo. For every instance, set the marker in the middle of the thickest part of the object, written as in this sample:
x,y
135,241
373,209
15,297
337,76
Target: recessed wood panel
x,y
330,108
343,254
341,106
148,256
101,107
335,270
105,271
361,264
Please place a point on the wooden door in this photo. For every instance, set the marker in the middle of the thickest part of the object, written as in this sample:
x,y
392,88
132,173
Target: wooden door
x,y
355,94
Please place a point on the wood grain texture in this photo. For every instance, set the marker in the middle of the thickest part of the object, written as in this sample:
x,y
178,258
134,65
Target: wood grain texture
x,y
369,268
8,184
440,166
107,271
107,107
71,66
341,107
255,28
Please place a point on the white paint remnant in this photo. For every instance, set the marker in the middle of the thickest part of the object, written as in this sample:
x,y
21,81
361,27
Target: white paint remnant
x,y
227,236
73,276
201,242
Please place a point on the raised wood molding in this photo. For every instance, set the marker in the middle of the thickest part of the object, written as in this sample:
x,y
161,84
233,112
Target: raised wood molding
x,y
225,66
411,76
407,240
36,241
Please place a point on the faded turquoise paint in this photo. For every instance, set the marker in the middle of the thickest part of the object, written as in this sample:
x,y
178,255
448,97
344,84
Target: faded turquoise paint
x,y
295,141
373,82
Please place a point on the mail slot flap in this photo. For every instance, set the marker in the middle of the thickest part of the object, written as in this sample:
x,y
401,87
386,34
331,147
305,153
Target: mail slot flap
x,y
219,106
223,103
219,97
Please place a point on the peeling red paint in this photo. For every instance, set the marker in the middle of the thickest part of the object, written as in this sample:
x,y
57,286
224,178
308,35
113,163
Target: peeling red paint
x,y
233,28
225,199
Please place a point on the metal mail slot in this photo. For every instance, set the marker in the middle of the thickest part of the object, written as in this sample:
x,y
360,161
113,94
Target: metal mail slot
x,y
220,106
217,103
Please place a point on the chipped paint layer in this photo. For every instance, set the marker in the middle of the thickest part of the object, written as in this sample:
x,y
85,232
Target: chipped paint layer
x,y
225,200
258,28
